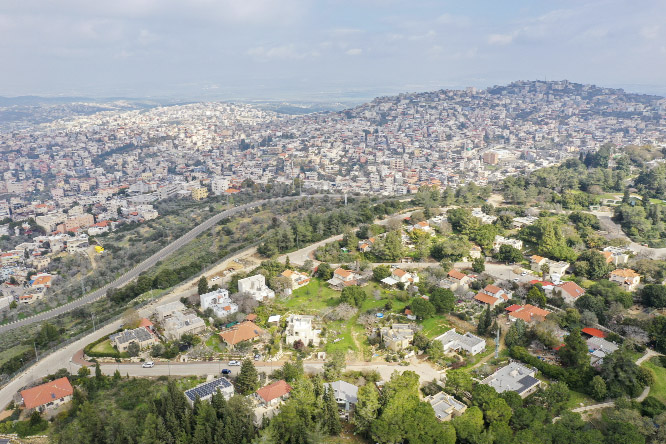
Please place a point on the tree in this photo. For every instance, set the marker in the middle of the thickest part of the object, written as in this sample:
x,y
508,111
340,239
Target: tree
x,y
575,353
248,378
469,425
133,349
509,254
331,421
592,264
422,308
536,296
443,300
516,334
598,388
485,321
366,409
654,295
458,382
497,410
334,365
435,350
202,287
479,265
324,271
381,272
353,295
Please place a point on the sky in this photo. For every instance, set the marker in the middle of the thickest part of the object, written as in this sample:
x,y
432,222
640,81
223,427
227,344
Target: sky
x,y
323,50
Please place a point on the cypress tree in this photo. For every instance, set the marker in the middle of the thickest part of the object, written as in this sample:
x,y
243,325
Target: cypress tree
x,y
248,379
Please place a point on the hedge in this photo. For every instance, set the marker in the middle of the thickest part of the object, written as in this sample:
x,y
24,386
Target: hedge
x,y
88,349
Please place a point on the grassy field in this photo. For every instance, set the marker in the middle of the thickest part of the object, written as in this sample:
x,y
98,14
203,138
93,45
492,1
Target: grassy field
x,y
435,326
104,347
314,296
658,389
578,398
215,343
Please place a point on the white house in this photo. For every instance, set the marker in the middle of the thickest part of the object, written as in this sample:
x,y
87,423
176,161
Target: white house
x,y
514,377
501,240
300,327
256,287
342,277
297,278
452,340
405,277
218,301
626,278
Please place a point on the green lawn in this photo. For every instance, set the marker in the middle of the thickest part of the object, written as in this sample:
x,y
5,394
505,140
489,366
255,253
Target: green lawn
x,y
314,296
435,326
215,343
577,398
658,389
345,335
104,347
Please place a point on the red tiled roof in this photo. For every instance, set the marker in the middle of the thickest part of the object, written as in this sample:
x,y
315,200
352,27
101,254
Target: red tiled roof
x,y
513,307
145,322
274,390
482,297
455,274
594,332
45,393
572,289
492,289
242,332
342,272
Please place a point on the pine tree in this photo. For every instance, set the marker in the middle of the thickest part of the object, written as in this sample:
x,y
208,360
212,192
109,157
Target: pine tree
x,y
484,321
248,379
331,418
202,287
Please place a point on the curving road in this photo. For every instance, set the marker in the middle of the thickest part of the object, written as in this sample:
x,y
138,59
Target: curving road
x,y
150,262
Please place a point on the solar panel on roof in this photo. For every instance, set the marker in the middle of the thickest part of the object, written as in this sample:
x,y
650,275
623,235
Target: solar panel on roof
x,y
207,388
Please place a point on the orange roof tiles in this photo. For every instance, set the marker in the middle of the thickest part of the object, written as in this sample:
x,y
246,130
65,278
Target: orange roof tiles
x,y
529,313
492,289
274,390
242,332
45,393
572,289
482,297
455,274
342,272
625,272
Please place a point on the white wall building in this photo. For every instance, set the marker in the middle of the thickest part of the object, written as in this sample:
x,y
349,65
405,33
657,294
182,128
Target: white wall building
x,y
256,287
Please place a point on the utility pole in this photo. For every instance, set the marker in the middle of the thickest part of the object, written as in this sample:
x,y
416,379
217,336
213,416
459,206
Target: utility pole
x,y
92,316
34,345
497,341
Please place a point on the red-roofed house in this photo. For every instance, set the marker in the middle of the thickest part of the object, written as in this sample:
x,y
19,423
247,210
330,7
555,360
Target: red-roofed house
x,y
570,291
595,332
273,393
403,276
528,313
514,307
536,262
627,278
459,278
47,396
486,299
496,292
342,277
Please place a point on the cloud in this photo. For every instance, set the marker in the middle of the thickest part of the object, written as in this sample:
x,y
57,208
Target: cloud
x,y
500,39
354,51
284,52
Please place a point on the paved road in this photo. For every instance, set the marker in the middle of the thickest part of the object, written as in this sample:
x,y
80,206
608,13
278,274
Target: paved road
x,y
614,230
148,263
424,370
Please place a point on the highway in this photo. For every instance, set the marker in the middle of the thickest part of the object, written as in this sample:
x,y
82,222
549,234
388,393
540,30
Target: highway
x,y
149,262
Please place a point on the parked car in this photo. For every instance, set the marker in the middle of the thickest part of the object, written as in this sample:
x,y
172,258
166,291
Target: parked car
x,y
148,364
215,278
226,371
257,357
235,363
